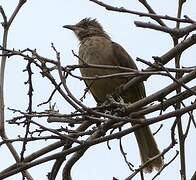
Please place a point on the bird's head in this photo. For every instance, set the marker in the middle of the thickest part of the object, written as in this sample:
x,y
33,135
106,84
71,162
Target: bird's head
x,y
87,28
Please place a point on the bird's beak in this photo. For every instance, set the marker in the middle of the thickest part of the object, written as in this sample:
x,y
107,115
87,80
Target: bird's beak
x,y
71,27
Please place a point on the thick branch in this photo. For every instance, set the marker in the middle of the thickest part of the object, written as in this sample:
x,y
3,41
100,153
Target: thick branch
x,y
87,144
178,49
160,95
178,33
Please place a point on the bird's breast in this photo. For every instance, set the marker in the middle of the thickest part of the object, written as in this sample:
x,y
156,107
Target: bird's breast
x,y
99,51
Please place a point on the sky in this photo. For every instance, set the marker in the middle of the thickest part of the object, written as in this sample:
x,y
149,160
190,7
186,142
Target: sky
x,y
37,25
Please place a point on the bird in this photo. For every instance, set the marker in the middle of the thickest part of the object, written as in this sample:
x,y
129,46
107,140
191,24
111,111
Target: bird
x,y
97,48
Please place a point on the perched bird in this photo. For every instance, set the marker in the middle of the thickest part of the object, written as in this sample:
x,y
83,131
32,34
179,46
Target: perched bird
x,y
96,47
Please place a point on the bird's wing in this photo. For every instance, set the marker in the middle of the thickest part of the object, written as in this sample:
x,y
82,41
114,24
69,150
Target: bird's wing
x,y
125,60
95,97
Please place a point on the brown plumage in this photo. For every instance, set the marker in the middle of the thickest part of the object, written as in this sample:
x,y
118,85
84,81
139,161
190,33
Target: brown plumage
x,y
96,47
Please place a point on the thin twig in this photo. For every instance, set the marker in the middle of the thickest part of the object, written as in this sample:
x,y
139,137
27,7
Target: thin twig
x,y
123,10
130,165
166,164
151,11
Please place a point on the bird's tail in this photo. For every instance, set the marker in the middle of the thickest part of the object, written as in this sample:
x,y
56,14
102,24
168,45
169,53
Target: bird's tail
x,y
148,149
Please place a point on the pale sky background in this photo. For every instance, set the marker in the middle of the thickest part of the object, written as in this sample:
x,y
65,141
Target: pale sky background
x,y
39,23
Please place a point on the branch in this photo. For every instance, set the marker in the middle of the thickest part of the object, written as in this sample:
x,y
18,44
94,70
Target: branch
x,y
151,11
165,104
122,9
160,95
94,138
178,105
194,176
178,49
6,24
178,33
166,164
90,142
